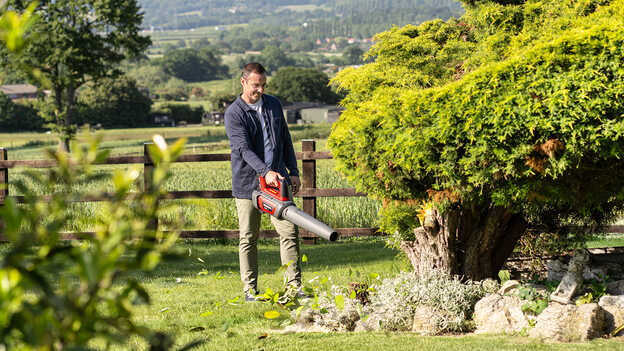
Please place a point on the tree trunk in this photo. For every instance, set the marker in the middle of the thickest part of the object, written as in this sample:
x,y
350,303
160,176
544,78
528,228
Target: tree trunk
x,y
65,102
473,243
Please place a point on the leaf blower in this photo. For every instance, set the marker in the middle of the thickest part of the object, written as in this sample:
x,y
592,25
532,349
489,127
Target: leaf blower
x,y
278,203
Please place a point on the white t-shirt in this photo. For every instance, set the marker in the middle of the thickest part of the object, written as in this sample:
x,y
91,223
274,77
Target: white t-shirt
x,y
268,146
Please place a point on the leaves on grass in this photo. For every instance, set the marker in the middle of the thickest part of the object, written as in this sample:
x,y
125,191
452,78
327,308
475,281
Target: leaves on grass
x,y
196,329
263,336
271,314
164,309
234,301
200,260
206,314
304,258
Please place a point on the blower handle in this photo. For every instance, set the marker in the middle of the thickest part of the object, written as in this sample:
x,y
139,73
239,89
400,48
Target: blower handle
x,y
281,193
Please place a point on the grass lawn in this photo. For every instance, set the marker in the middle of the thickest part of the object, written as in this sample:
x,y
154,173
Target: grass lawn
x,y
193,300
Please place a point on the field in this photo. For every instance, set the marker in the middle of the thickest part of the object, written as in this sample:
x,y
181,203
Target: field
x,y
199,214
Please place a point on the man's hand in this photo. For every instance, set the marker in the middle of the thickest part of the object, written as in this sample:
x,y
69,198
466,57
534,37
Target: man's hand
x,y
296,184
272,179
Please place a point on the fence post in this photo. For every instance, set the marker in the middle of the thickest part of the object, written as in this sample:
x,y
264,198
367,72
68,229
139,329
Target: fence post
x,y
148,170
4,184
309,181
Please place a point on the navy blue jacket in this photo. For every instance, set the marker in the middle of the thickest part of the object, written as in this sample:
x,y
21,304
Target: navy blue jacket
x,y
247,145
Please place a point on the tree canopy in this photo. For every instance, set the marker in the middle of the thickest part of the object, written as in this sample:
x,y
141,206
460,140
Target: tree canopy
x,y
114,102
294,84
194,65
74,41
508,116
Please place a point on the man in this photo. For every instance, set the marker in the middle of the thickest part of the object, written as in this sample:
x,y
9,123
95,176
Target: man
x,y
261,145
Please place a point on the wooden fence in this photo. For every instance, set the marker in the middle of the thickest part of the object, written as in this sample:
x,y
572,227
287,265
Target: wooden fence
x,y
309,192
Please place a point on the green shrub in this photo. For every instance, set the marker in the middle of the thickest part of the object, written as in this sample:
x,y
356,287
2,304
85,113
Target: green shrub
x,y
532,127
182,112
19,116
451,297
59,295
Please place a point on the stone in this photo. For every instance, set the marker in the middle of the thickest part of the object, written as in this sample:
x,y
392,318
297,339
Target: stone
x,y
425,320
616,287
573,279
498,314
508,286
556,269
569,323
595,273
614,312
370,322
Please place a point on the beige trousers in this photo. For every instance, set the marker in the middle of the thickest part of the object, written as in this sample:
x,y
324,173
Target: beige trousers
x,y
249,227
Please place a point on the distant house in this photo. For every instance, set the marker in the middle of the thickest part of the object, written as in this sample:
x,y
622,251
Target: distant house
x,y
292,112
20,91
321,114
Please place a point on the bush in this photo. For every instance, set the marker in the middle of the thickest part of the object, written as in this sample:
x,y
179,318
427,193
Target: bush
x,y
18,116
114,102
91,290
181,112
453,299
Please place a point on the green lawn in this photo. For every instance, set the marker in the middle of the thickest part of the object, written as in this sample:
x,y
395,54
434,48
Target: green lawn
x,y
192,300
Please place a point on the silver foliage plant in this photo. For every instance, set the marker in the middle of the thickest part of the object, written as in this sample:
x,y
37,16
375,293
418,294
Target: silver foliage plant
x,y
452,299
393,303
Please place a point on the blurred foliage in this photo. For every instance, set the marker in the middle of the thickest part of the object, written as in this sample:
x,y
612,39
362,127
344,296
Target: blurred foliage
x,y
61,295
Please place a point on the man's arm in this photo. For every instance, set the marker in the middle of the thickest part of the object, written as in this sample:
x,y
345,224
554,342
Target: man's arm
x,y
240,141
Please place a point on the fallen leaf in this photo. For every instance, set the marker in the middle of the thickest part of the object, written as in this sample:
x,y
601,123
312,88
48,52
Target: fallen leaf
x,y
271,314
263,336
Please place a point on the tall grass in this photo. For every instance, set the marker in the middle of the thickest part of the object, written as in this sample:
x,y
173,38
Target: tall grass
x,y
199,214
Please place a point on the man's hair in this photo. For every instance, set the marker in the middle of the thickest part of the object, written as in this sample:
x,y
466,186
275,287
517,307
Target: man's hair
x,y
252,67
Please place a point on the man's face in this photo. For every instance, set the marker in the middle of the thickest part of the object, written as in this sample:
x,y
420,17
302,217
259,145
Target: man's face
x,y
253,87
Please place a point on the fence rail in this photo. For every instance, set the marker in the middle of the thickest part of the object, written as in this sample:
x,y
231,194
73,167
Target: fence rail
x,y
309,192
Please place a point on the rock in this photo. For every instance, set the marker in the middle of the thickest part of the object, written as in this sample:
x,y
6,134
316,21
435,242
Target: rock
x,y
370,322
573,279
616,287
595,273
568,323
556,269
614,312
497,314
425,320
508,286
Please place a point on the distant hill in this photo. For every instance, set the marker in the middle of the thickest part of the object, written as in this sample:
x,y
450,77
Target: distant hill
x,y
359,18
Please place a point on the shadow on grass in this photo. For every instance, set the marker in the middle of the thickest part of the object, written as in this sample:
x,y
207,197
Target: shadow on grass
x,y
224,257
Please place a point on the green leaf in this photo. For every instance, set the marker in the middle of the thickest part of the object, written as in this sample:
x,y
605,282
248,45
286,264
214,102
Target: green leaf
x,y
339,301
304,258
373,276
206,314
